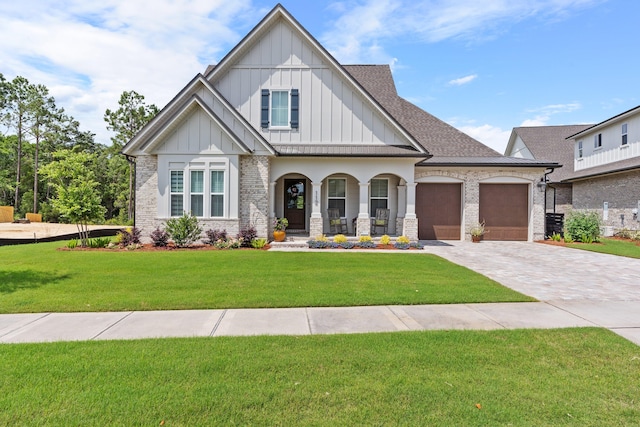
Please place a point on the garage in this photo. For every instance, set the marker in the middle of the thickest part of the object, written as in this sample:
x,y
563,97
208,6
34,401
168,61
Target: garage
x,y
504,208
439,211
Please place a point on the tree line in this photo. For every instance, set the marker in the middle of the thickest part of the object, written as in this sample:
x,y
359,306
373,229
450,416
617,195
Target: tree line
x,y
39,139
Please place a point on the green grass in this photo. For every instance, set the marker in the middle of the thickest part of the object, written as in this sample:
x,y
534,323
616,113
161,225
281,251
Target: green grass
x,y
575,377
618,247
40,278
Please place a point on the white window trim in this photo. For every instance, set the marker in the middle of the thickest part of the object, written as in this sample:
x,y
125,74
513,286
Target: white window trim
x,y
346,192
207,167
372,214
171,193
271,98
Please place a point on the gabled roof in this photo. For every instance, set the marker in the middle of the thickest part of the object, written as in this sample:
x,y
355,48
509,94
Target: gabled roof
x,y
180,105
619,117
548,143
279,12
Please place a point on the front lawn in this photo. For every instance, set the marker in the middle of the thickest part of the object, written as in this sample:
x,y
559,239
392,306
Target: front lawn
x,y
578,377
40,278
620,247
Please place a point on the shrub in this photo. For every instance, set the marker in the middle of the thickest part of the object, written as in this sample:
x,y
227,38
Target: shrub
x,y
184,230
318,243
582,227
625,233
556,237
99,242
363,239
128,236
247,235
402,242
321,238
214,236
72,244
159,238
403,239
385,240
258,243
367,244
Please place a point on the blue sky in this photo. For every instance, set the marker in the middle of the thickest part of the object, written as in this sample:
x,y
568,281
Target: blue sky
x,y
484,66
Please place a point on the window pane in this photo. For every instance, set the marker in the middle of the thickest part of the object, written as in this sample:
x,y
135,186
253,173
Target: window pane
x,y
379,188
176,205
279,108
217,181
197,181
176,182
197,204
217,205
377,203
337,203
337,187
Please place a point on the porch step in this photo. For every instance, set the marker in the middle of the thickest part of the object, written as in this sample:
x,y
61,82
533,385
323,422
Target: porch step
x,y
290,243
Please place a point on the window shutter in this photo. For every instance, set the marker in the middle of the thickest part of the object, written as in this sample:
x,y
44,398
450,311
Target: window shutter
x,y
264,117
295,101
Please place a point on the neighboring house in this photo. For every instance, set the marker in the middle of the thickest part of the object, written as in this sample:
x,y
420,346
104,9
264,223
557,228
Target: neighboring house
x,y
279,128
548,143
606,165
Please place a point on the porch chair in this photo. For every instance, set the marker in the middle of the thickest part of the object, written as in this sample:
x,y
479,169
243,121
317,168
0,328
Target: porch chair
x,y
381,220
337,225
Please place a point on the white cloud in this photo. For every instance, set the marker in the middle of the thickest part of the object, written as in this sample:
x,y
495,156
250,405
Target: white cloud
x,y
88,53
544,113
371,21
463,80
491,136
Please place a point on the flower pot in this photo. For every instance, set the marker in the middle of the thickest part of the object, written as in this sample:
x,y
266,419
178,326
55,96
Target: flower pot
x,y
476,239
279,235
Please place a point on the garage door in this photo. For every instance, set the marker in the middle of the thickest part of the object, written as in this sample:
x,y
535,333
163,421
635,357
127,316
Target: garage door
x,y
439,211
505,210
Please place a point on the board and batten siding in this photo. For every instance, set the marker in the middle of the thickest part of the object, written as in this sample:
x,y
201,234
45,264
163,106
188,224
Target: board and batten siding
x,y
332,110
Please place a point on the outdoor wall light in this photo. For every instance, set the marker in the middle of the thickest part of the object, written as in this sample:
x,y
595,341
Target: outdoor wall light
x,y
542,185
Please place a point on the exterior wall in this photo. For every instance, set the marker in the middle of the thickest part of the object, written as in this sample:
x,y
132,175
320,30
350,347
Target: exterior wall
x,y
620,191
612,149
146,195
471,179
254,193
563,198
332,110
519,149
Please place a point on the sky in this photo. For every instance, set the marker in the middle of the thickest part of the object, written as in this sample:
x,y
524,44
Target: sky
x,y
483,66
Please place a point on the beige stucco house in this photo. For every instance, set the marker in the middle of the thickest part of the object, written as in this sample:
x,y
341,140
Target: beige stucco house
x,y
278,128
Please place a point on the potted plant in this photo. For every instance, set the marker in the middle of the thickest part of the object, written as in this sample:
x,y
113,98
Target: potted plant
x,y
477,231
279,227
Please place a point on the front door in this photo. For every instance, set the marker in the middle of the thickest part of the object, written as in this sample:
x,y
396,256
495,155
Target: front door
x,y
295,203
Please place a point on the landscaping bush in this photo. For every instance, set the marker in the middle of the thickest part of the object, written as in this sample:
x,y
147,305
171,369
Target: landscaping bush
x,y
99,242
582,227
258,243
214,236
129,236
185,230
247,235
159,238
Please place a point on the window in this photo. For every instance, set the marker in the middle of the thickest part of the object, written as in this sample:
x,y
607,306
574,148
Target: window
x,y
217,193
177,193
597,141
379,197
197,193
338,194
624,134
579,149
280,109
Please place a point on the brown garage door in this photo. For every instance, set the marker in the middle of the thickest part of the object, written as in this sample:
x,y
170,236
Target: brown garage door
x,y
505,210
439,211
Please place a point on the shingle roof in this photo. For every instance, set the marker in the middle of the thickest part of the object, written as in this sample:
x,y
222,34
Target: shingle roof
x,y
608,168
438,137
549,143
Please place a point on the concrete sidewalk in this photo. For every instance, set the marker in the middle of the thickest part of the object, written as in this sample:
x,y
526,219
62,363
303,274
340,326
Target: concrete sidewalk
x,y
621,317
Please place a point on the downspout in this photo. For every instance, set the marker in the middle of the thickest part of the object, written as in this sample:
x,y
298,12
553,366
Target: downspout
x,y
132,162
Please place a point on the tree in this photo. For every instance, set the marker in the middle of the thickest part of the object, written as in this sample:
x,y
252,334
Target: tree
x,y
131,116
77,199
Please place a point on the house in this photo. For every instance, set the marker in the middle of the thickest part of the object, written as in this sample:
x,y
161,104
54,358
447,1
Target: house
x,y
278,128
606,163
548,143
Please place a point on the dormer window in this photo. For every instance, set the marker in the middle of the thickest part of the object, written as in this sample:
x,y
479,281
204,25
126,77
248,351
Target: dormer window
x,y
279,109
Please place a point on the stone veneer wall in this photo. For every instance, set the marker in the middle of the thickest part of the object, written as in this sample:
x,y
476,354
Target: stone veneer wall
x,y
563,198
621,191
254,193
146,195
472,179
